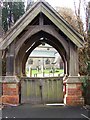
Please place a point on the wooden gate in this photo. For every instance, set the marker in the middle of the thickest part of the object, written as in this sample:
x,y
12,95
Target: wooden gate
x,y
42,90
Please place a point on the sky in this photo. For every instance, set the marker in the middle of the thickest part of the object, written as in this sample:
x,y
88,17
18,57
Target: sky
x,y
54,3
69,4
64,3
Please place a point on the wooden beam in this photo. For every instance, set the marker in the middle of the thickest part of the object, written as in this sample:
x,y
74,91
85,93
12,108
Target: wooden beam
x,y
75,37
41,20
73,62
35,29
62,25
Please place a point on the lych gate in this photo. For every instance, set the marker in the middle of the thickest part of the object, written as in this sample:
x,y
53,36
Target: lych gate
x,y
41,23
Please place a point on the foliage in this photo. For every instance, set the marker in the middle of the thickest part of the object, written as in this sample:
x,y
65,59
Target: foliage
x,y
85,69
69,16
74,19
18,10
5,16
84,52
84,58
85,88
11,12
85,83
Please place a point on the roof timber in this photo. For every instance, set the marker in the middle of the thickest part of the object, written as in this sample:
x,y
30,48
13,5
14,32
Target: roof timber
x,y
48,11
73,35
35,29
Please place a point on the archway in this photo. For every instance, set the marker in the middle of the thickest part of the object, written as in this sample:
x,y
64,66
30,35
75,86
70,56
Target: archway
x,y
42,21
27,47
44,61
25,50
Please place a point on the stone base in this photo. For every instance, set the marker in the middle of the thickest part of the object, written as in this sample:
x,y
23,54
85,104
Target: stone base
x,y
74,92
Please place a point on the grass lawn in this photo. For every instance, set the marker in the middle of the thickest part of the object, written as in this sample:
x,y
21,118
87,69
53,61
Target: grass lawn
x,y
47,71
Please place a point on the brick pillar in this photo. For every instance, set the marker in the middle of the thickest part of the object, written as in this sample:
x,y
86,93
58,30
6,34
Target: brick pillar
x,y
73,92
10,91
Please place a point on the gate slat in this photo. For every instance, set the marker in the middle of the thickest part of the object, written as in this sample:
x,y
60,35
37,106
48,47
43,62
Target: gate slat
x,y
51,90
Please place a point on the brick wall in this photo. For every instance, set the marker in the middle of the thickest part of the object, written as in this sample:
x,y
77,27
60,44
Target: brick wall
x,y
10,93
74,94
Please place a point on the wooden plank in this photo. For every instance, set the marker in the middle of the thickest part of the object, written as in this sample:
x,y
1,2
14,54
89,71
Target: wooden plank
x,y
73,65
23,92
51,90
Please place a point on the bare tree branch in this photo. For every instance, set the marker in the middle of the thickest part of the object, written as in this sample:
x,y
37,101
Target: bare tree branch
x,y
75,8
79,11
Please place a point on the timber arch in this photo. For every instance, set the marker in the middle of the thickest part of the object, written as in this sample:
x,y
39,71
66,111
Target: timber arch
x,y
41,21
23,53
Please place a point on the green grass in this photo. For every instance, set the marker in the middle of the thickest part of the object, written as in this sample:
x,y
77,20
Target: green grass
x,y
47,71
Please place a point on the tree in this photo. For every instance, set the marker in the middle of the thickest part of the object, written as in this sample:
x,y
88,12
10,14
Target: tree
x,y
11,12
69,15
82,4
84,52
18,10
5,16
74,19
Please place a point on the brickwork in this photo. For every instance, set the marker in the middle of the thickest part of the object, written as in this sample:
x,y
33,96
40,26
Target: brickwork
x,y
74,100
74,93
10,93
8,99
10,89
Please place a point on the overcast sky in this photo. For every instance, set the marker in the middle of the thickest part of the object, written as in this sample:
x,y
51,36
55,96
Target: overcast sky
x,y
69,4
64,3
54,3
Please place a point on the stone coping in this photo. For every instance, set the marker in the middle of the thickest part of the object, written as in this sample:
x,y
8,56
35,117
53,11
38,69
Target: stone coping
x,y
75,79
61,77
10,79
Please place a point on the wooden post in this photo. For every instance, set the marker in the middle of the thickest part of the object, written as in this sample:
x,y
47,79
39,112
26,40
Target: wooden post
x,y
41,21
10,61
9,65
73,62
73,85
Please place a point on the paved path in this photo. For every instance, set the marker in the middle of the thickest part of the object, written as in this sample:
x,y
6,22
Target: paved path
x,y
44,111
